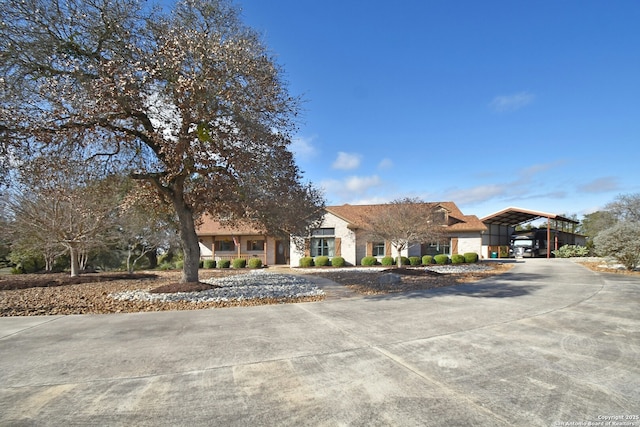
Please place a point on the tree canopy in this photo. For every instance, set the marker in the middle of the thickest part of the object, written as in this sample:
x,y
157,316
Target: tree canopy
x,y
404,222
189,100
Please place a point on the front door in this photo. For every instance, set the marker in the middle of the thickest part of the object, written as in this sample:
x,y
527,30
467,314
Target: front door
x,y
282,252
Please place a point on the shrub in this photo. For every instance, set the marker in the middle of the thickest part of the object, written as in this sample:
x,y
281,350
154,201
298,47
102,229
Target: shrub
x,y
457,259
165,266
427,259
239,263
441,259
568,251
415,260
321,261
179,264
224,263
369,261
470,257
209,263
255,263
622,242
404,260
387,261
306,262
338,261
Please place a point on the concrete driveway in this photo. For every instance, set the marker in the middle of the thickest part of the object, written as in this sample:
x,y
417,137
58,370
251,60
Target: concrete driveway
x,y
547,344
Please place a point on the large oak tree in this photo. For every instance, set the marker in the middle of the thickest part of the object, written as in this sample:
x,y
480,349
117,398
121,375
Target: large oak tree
x,y
189,100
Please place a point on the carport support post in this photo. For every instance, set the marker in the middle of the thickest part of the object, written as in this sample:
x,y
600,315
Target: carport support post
x,y
548,237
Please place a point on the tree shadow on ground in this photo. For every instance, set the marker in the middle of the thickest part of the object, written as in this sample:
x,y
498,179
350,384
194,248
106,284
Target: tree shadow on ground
x,y
507,286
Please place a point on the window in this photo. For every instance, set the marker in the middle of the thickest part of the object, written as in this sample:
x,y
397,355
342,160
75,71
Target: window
x,y
225,245
437,248
323,232
440,216
323,247
255,245
322,242
378,249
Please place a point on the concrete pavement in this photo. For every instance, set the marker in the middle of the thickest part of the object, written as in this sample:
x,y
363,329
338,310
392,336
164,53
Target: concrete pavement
x,y
547,344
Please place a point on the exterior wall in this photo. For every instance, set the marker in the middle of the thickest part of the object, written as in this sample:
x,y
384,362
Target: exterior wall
x,y
470,242
347,241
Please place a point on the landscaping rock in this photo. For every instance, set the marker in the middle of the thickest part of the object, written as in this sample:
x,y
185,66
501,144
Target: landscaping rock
x,y
389,279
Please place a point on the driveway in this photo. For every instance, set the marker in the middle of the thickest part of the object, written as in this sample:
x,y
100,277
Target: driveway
x,y
549,343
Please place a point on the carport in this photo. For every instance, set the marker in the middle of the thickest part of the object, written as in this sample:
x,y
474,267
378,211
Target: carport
x,y
501,225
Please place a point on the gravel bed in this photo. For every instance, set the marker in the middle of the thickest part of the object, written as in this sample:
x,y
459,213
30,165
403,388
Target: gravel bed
x,y
235,288
458,268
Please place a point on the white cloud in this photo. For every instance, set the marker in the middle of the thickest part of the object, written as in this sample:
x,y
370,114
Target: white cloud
x,y
303,148
600,185
385,164
477,194
508,103
350,189
347,161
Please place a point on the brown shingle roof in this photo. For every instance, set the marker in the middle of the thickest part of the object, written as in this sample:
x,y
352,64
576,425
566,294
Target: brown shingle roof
x,y
358,216
212,227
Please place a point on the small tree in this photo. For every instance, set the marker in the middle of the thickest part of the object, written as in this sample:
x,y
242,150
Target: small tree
x,y
622,242
626,207
59,205
405,222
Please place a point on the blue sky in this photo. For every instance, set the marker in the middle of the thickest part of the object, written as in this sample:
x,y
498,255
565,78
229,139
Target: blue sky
x,y
488,104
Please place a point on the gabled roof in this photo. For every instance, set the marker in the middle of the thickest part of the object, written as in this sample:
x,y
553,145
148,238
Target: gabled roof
x,y
359,216
515,216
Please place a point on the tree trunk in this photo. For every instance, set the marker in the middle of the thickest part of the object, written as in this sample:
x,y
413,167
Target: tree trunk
x,y
189,238
75,263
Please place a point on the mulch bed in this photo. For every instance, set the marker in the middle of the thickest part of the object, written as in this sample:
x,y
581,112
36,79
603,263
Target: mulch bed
x,y
54,294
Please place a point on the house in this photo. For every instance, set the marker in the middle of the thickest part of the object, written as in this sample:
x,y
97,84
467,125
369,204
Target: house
x,y
221,242
343,233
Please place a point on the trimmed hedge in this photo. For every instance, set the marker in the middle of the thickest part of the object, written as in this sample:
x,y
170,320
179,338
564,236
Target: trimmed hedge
x,y
255,263
415,260
427,260
239,263
470,257
209,263
404,260
306,262
321,261
224,263
338,261
457,259
387,261
369,261
441,259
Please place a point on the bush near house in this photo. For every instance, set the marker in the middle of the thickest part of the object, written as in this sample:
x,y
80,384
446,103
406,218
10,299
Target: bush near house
x,y
427,259
255,263
209,263
321,261
568,251
224,263
441,259
369,261
338,261
457,259
404,260
470,257
415,260
239,263
387,261
306,262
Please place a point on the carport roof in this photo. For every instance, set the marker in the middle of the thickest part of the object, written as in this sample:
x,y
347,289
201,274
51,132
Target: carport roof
x,y
515,216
